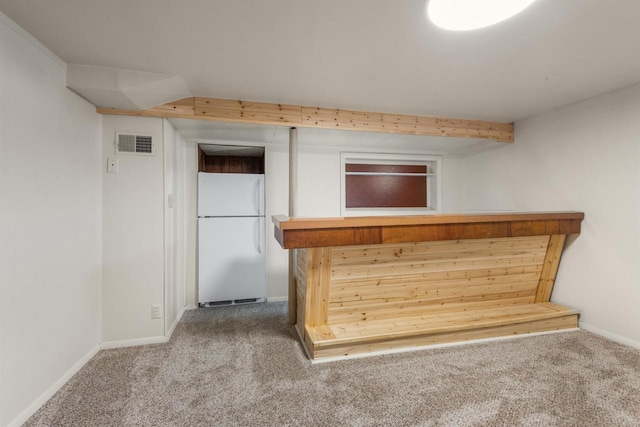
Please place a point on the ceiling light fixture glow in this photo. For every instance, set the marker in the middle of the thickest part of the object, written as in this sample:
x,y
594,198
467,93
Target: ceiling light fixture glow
x,y
463,15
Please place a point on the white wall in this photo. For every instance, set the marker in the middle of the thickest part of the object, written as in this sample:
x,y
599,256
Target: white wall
x,y
277,203
453,185
583,157
133,235
318,183
49,226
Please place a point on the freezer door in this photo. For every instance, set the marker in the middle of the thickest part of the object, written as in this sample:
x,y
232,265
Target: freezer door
x,y
230,194
231,259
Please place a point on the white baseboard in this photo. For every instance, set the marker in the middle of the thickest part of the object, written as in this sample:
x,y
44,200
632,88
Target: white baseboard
x,y
144,341
191,307
132,343
432,346
44,397
277,299
610,335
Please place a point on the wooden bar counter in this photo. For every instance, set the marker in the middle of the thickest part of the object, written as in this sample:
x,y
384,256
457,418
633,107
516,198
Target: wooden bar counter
x,y
370,284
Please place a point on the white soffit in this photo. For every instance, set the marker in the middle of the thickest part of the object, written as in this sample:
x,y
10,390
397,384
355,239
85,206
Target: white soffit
x,y
107,87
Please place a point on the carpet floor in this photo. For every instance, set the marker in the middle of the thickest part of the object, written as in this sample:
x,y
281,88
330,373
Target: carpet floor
x,y
243,366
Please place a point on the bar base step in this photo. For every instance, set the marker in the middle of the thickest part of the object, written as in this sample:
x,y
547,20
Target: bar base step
x,y
416,331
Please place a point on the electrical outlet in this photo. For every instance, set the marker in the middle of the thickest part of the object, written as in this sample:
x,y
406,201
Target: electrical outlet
x,y
112,165
155,311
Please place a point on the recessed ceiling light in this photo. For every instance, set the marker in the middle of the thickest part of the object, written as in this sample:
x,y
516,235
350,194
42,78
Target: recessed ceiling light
x,y
463,15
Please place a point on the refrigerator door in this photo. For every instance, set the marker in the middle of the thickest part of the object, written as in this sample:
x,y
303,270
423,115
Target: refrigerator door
x,y
230,194
231,259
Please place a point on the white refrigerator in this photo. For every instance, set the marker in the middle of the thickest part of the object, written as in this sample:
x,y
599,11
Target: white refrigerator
x,y
231,238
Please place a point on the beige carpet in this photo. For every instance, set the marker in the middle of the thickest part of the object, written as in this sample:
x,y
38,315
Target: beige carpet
x,y
243,366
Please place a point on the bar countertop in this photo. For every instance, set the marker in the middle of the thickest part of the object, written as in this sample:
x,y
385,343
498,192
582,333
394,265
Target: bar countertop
x,y
294,233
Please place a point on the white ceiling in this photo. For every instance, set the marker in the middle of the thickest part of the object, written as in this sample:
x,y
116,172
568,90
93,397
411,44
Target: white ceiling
x,y
375,55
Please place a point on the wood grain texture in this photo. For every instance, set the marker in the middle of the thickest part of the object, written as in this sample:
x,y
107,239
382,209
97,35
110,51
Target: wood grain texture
x,y
386,281
361,298
246,106
286,223
318,283
550,268
309,233
299,297
296,272
345,349
232,164
201,160
435,323
327,118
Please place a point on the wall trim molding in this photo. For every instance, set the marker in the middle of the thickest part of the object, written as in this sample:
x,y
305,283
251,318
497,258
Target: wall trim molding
x,y
175,323
278,299
133,342
101,160
610,335
48,394
146,340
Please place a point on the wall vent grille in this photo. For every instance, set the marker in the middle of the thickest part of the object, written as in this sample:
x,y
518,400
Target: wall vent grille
x,y
135,144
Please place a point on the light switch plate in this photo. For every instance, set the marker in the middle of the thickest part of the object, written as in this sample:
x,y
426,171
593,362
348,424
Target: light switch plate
x,y
155,311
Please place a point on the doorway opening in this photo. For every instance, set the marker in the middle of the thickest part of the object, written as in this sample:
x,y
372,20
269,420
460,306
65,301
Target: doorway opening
x,y
231,225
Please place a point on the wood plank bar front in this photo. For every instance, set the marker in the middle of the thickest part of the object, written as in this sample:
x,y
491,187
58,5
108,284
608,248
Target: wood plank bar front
x,y
377,283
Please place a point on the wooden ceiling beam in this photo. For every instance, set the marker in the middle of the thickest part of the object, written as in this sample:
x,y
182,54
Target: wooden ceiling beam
x,y
226,110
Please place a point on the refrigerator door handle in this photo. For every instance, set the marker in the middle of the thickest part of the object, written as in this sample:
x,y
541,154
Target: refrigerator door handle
x,y
261,196
256,235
